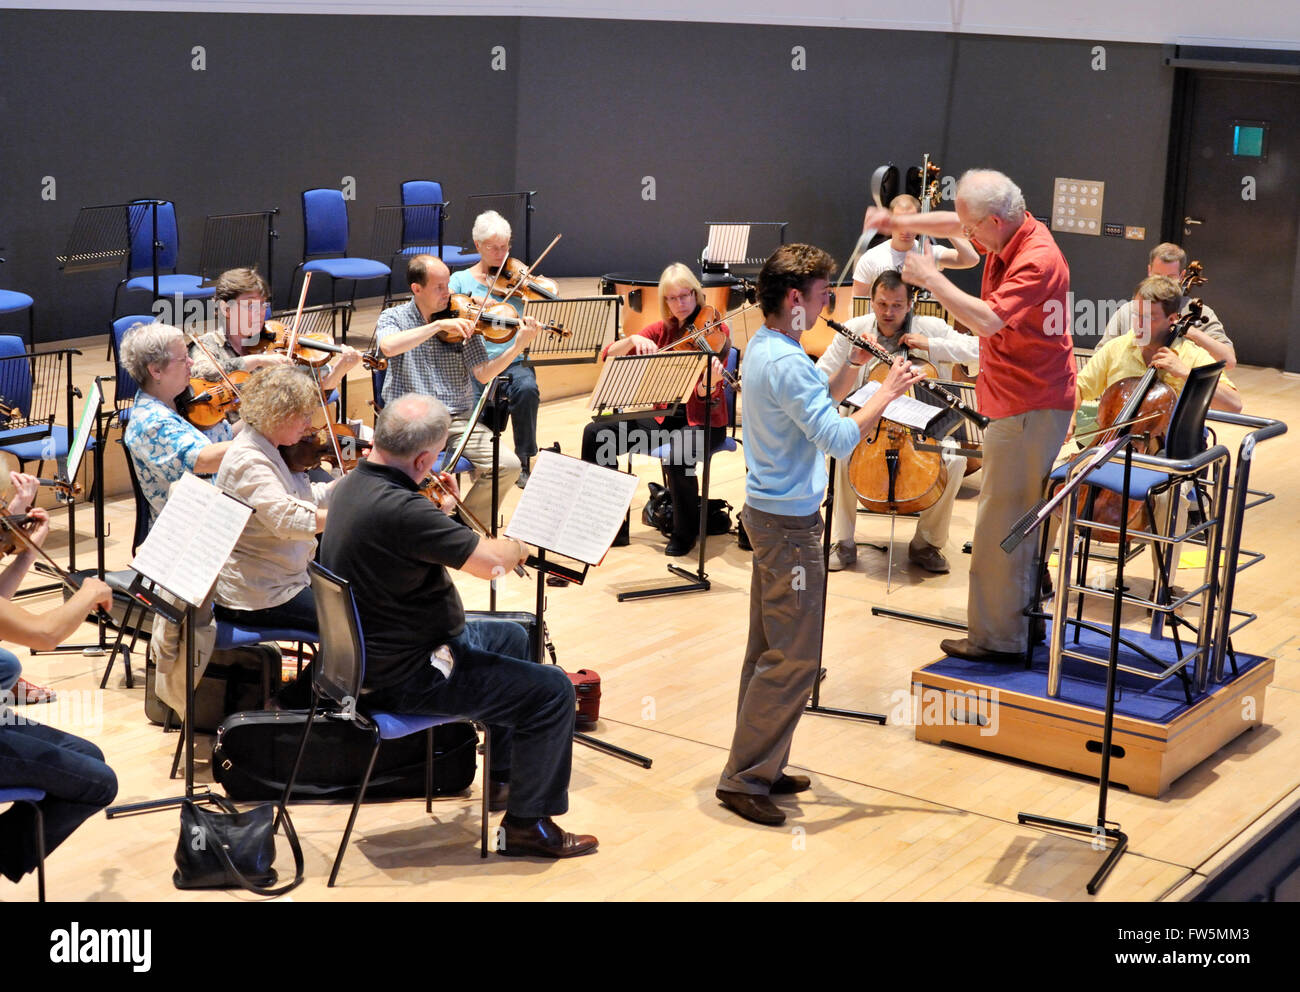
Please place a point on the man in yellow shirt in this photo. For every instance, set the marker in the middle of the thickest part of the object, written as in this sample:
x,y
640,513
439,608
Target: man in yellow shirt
x,y
1155,310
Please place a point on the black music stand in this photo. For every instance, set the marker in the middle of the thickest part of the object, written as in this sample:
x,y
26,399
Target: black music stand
x,y
638,385
234,241
1023,528
525,197
585,319
198,517
546,566
728,245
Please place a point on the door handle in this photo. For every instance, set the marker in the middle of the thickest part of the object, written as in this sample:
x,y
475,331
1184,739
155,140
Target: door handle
x,y
1188,222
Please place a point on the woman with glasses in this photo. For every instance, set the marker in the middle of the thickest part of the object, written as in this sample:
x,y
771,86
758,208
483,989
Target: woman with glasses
x,y
680,299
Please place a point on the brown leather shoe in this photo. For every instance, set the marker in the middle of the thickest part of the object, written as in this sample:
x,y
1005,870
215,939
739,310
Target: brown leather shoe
x,y
759,809
788,785
963,648
543,839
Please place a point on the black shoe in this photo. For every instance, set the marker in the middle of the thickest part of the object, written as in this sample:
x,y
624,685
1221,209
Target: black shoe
x,y
758,809
543,838
679,545
788,785
498,796
742,539
963,648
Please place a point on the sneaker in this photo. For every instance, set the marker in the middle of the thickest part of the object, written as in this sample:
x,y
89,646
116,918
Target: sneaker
x,y
929,558
843,555
523,478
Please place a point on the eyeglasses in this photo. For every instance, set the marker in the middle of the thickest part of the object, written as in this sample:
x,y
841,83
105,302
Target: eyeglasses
x,y
968,230
495,245
680,297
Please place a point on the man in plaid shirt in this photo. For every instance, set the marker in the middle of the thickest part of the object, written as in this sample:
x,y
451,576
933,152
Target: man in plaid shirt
x,y
421,362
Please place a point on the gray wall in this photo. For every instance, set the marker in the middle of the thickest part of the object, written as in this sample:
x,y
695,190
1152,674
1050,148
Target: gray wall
x,y
107,104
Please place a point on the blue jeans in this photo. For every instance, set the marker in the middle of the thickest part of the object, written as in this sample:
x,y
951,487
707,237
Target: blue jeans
x,y
530,709
524,401
10,669
73,775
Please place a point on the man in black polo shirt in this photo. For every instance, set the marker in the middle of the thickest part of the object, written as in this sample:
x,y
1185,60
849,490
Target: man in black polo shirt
x,y
394,546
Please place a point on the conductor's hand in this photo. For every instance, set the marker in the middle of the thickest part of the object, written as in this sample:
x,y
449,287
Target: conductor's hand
x,y
919,269
460,328
901,378
878,218
96,594
529,328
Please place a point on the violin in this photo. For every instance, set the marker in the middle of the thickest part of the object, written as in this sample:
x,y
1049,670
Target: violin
x,y
205,403
434,489
320,444
309,349
12,522
497,322
1149,401
518,278
886,471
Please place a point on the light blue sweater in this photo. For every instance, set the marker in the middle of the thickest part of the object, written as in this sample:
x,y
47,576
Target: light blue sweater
x,y
790,422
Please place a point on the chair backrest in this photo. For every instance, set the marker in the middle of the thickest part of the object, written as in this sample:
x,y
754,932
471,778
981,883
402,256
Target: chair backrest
x,y
340,667
124,387
15,374
377,377
324,222
732,363
140,223
143,512
1186,436
421,224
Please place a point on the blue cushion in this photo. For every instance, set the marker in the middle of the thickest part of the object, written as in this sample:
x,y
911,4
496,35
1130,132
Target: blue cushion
x,y
394,725
463,465
451,254
40,449
1111,477
173,285
230,635
728,443
11,301
18,794
348,268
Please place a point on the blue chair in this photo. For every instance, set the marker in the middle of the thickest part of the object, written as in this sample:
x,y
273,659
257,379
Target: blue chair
x,y
124,387
11,301
728,440
17,378
423,224
148,256
33,797
325,246
339,674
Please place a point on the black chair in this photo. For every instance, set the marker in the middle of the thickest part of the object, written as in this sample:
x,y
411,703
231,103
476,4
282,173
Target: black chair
x,y
33,798
339,675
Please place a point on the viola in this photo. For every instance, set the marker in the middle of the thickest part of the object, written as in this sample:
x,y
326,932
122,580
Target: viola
x,y
309,349
516,277
205,404
320,443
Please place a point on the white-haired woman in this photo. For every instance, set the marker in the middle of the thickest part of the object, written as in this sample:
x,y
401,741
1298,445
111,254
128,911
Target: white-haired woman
x,y
162,444
491,236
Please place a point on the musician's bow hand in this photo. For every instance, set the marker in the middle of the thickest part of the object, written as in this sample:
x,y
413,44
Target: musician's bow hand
x,y
919,270
25,490
98,593
902,376
642,345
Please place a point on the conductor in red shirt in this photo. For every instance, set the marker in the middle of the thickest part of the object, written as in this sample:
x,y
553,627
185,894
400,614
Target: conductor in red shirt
x,y
1025,385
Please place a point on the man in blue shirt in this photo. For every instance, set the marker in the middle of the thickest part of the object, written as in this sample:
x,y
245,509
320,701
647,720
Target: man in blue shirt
x,y
791,423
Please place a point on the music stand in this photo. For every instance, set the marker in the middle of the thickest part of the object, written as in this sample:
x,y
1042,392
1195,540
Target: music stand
x,y
572,508
234,241
186,547
729,244
585,318
1022,529
524,203
637,385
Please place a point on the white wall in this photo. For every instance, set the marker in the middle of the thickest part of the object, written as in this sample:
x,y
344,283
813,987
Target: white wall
x,y
1251,24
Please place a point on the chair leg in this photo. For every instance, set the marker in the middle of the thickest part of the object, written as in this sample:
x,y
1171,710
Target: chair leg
x,y
40,851
487,785
297,761
428,770
180,746
361,795
117,646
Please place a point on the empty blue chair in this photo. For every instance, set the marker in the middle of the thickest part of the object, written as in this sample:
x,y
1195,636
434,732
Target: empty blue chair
x,y
422,224
325,246
16,380
147,256
11,301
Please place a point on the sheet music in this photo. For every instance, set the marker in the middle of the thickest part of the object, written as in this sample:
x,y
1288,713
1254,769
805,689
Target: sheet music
x,y
572,507
904,410
728,243
192,538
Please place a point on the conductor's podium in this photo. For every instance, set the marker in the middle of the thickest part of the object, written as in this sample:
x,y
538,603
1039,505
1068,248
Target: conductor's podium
x,y
1158,736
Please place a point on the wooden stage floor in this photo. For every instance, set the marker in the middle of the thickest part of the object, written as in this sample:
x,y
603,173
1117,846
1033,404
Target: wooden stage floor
x,y
888,817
